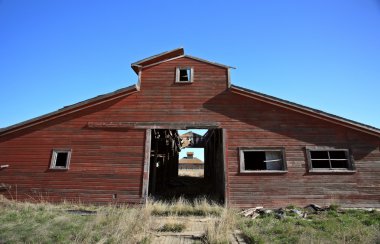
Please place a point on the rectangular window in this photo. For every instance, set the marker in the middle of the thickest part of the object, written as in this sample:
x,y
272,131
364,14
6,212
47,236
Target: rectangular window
x,y
329,159
60,159
262,160
184,75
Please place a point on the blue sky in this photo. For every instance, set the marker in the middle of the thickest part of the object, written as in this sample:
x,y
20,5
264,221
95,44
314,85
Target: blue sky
x,y
198,152
323,54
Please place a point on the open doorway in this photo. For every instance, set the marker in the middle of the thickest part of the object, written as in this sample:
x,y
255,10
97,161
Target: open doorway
x,y
187,163
191,157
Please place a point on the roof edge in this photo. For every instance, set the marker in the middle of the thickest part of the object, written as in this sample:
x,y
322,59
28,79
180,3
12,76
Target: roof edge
x,y
176,52
307,110
70,109
170,55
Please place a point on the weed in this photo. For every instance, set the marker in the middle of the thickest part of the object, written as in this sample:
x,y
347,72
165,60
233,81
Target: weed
x,y
351,226
172,227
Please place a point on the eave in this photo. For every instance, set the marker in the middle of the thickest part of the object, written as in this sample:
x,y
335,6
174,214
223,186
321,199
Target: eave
x,y
70,109
306,110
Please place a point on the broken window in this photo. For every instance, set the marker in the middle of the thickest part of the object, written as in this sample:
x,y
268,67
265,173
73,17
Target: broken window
x,y
262,160
329,159
184,75
60,159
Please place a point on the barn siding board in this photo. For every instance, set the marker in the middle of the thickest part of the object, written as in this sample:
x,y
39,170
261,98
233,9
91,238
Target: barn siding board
x,y
107,161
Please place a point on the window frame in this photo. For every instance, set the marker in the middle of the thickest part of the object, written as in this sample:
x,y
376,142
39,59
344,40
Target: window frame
x,y
177,75
350,160
262,149
54,155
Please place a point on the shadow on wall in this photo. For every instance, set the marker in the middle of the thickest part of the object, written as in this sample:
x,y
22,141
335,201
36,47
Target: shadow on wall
x,y
289,125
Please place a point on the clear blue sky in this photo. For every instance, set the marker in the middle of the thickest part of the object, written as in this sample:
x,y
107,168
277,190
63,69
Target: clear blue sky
x,y
323,54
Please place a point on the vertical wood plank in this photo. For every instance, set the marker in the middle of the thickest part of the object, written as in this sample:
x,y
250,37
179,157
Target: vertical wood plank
x,y
145,187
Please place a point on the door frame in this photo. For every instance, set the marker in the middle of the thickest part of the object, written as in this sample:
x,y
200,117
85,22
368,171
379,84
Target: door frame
x,y
146,172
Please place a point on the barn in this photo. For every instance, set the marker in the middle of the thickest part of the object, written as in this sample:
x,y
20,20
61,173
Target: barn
x,y
123,146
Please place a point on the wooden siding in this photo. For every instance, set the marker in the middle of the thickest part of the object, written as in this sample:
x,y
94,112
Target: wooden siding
x,y
110,161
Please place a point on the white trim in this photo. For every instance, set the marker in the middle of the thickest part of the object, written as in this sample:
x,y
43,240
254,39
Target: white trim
x,y
348,157
187,56
257,149
229,78
163,61
138,85
178,72
54,155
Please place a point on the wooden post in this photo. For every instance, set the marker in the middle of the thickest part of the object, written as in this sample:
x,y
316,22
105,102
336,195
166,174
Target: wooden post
x,y
225,166
145,186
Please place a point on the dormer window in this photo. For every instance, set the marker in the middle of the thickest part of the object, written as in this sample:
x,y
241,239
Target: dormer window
x,y
184,74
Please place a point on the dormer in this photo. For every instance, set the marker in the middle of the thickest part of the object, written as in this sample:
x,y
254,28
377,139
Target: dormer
x,y
180,72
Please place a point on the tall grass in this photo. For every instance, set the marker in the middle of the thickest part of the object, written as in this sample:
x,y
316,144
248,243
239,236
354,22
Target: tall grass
x,y
22,222
219,232
48,223
183,207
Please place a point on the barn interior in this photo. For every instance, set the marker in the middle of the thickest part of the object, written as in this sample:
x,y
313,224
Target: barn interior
x,y
165,183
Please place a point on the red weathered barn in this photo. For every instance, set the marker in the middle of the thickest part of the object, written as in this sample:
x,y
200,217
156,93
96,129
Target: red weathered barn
x,y
259,150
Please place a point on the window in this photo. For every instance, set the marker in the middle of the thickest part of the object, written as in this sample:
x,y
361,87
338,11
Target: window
x,y
60,159
262,160
329,159
184,75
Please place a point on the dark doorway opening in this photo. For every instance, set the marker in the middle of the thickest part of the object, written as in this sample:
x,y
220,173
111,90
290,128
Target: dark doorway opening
x,y
191,175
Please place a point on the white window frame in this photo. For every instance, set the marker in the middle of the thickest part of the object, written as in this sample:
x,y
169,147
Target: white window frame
x,y
349,158
54,159
177,75
266,149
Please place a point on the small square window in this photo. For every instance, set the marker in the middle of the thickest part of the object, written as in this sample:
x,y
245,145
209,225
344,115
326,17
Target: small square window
x,y
184,75
60,159
262,160
329,160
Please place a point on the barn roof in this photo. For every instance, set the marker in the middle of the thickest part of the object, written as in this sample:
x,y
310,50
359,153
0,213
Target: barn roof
x,y
167,56
306,110
194,160
190,133
178,53
71,109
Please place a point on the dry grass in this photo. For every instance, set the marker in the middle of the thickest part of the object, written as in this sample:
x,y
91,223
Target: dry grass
x,y
183,207
219,232
24,222
43,222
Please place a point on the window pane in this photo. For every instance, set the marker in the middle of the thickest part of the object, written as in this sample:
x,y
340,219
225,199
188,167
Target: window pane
x,y
274,160
61,160
254,160
338,155
319,155
184,75
320,164
339,164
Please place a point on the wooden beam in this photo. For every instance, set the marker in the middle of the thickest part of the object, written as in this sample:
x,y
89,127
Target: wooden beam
x,y
225,167
154,125
145,188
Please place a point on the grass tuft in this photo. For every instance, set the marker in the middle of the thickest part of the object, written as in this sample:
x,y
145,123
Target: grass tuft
x,y
172,227
183,207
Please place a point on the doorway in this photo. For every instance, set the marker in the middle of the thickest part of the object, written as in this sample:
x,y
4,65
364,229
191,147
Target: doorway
x,y
188,164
